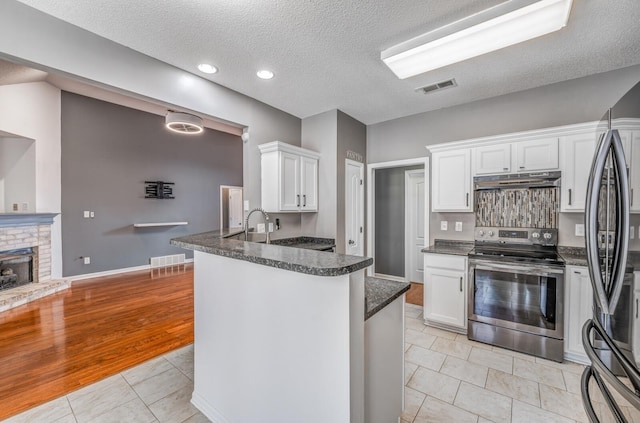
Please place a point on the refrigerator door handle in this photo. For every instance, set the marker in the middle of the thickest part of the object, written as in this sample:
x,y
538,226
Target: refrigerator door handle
x,y
607,292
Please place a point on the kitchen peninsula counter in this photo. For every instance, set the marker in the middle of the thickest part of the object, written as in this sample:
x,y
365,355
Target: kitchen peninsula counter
x,y
269,319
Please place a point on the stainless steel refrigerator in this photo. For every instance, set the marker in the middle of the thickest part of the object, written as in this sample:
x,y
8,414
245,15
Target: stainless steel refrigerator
x,y
607,337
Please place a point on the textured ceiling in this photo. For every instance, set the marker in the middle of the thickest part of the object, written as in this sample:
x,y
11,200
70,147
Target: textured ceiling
x,y
326,54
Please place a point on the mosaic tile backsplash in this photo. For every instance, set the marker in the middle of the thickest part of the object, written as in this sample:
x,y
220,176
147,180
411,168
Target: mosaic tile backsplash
x,y
518,208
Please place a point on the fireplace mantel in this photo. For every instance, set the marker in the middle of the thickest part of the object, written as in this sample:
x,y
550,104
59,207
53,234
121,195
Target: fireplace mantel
x,y
26,219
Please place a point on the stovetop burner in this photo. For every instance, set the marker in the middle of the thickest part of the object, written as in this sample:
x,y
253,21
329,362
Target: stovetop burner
x,y
517,245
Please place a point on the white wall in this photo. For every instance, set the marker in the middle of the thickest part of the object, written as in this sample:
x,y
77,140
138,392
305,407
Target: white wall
x,y
33,111
18,174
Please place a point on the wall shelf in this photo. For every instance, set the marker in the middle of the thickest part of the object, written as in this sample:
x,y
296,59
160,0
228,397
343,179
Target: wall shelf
x,y
155,224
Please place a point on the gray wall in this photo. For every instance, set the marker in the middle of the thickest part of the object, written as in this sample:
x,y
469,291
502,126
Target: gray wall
x,y
576,101
108,151
389,220
352,135
319,133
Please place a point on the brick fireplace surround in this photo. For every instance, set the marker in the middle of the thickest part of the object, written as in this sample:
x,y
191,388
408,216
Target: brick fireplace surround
x,y
25,231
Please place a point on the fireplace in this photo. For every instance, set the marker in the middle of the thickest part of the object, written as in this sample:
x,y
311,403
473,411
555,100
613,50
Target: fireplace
x,y
16,267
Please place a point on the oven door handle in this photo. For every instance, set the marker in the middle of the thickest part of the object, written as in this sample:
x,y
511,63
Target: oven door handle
x,y
520,268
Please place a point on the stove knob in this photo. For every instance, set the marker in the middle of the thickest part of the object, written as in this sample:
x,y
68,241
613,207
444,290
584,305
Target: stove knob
x,y
535,235
481,233
490,233
547,235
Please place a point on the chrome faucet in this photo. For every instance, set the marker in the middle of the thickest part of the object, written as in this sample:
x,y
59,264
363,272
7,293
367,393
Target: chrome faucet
x,y
266,224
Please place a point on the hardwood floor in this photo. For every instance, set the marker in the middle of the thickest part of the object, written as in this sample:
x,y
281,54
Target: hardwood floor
x,y
415,294
95,329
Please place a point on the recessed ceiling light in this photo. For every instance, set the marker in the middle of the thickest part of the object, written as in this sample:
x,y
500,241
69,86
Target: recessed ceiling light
x,y
207,68
264,74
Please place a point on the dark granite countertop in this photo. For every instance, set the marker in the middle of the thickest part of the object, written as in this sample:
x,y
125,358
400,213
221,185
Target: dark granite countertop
x,y
577,256
306,242
444,246
379,293
310,262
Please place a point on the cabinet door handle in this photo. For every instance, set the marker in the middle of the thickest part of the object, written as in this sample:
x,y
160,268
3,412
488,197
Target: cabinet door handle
x,y
521,167
461,284
467,199
505,168
631,200
298,195
636,308
569,196
304,200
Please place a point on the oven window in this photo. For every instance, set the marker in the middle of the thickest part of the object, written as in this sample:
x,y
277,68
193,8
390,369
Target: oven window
x,y
525,299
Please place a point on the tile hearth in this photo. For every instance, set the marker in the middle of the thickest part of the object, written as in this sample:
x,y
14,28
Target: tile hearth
x,y
18,296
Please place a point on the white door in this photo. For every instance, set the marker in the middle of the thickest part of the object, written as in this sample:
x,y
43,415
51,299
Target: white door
x,y
414,225
354,208
235,208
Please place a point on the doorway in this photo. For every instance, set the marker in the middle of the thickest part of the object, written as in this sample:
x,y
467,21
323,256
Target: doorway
x,y
354,208
386,232
231,213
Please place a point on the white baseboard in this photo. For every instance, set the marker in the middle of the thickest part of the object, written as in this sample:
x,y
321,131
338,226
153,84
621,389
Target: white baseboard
x,y
114,272
390,277
207,409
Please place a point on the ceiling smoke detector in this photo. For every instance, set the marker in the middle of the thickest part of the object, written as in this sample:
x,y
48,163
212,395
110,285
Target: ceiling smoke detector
x,y
438,86
183,123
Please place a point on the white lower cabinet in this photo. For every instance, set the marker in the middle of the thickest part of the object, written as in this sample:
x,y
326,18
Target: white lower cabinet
x,y
578,309
445,291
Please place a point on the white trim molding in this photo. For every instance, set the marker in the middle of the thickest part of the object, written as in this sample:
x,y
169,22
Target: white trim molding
x,y
118,271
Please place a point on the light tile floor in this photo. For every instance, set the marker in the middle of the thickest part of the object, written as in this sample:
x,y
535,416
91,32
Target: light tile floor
x,y
448,379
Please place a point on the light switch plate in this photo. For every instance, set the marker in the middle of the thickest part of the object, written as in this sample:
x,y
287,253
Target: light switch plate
x,y
458,226
246,205
260,227
86,214
443,225
579,229
270,226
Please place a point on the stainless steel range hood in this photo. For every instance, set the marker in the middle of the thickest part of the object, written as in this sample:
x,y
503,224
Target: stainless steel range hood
x,y
517,180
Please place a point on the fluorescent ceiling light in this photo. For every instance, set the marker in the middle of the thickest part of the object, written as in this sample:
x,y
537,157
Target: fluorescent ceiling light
x,y
501,26
264,74
207,68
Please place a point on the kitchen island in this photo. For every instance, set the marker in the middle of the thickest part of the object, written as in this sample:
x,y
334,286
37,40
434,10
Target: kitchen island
x,y
280,331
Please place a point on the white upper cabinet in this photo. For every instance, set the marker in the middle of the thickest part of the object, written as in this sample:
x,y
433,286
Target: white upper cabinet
x,y
539,154
492,159
578,151
451,181
289,178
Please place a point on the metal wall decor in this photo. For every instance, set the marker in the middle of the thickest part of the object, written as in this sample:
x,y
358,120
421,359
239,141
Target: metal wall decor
x,y
159,189
518,208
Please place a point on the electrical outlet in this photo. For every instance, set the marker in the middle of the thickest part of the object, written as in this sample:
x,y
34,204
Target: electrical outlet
x,y
260,227
25,206
246,205
458,226
14,207
87,260
270,226
86,214
579,229
443,225
92,215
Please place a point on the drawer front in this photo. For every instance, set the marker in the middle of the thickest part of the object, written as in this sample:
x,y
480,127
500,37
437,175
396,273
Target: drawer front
x,y
446,261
